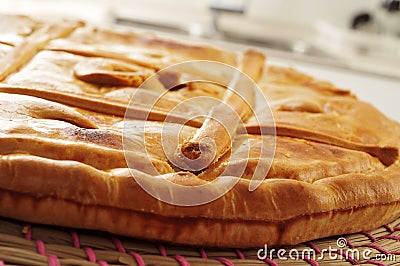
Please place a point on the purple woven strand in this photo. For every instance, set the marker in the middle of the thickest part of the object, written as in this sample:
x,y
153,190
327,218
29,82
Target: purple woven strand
x,y
75,239
163,251
349,244
40,247
369,235
225,261
314,247
90,254
311,262
28,234
203,253
138,258
388,228
270,262
239,254
182,261
52,260
119,245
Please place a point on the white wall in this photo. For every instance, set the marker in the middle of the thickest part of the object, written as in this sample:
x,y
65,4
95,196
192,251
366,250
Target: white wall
x,y
306,12
338,12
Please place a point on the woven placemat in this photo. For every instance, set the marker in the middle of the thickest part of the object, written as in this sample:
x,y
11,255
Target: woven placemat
x,y
33,244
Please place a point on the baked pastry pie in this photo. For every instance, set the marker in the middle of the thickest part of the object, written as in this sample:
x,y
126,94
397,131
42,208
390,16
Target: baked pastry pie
x,y
64,92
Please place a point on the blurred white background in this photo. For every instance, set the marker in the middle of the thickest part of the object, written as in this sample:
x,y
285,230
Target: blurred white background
x,y
338,12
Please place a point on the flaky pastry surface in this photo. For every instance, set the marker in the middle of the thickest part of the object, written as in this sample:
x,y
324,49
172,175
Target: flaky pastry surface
x,y
63,94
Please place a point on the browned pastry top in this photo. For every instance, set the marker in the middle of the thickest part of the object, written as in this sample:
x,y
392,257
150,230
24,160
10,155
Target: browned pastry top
x,y
63,96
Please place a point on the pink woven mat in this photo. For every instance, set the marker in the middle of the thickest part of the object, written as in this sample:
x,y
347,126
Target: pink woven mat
x,y
32,244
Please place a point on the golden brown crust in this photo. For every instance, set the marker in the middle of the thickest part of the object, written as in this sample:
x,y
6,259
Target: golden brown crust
x,y
144,49
25,50
220,126
220,233
190,230
117,188
296,159
317,111
100,105
65,165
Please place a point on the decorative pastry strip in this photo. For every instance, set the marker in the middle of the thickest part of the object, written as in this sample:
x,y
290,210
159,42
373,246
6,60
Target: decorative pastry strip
x,y
16,28
349,130
252,64
220,125
99,104
107,72
307,108
90,51
92,154
14,106
143,47
296,159
26,50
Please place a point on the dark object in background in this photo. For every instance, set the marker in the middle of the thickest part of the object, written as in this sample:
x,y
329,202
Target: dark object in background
x,y
385,19
360,20
391,5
